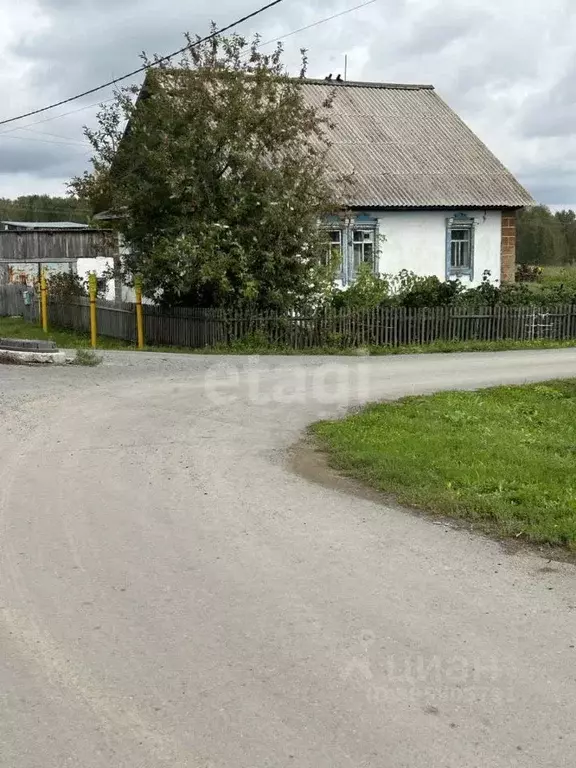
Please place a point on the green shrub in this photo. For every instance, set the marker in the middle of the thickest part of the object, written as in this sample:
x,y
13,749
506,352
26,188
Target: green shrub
x,y
65,285
407,289
431,292
366,292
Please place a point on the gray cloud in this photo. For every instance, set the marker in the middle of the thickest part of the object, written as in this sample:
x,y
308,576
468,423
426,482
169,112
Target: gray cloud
x,y
507,68
555,191
551,112
441,27
49,162
497,64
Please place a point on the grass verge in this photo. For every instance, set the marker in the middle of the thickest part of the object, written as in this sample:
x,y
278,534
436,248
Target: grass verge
x,y
502,459
559,276
18,328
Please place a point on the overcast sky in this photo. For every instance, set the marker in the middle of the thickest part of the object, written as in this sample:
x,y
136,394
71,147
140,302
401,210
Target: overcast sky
x,y
507,66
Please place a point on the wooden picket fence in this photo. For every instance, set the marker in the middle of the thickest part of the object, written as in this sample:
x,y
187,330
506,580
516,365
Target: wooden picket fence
x,y
346,328
383,326
13,301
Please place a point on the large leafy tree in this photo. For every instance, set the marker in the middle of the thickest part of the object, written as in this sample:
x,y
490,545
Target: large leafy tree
x,y
219,171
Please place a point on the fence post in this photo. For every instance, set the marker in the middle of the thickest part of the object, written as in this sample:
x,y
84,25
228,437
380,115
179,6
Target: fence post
x,y
139,316
93,290
43,301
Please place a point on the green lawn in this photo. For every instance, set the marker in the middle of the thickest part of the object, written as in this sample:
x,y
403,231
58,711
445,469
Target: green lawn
x,y
503,459
559,276
18,328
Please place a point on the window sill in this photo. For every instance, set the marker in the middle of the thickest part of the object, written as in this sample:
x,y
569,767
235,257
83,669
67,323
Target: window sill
x,y
460,274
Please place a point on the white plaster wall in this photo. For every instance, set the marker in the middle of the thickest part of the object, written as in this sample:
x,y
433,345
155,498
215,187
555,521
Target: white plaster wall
x,y
100,265
416,241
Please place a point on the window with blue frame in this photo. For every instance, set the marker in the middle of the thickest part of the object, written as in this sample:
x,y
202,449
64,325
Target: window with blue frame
x,y
363,245
353,241
460,246
334,250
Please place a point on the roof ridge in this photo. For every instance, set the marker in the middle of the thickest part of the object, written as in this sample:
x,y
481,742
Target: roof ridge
x,y
367,84
324,81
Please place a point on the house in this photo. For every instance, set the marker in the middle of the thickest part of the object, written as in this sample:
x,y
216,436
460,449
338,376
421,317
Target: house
x,y
426,194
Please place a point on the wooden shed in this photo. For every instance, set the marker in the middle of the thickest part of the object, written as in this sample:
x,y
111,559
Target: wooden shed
x,y
56,246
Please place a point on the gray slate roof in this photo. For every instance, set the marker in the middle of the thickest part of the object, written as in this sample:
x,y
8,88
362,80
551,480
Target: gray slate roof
x,y
408,149
45,224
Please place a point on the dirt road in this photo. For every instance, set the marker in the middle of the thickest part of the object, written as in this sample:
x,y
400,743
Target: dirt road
x,y
172,594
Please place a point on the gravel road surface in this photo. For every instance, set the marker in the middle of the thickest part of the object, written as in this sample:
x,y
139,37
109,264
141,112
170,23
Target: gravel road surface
x,y
173,594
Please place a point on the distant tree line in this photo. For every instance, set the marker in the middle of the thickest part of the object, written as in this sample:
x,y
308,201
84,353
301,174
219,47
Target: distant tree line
x,y
546,238
43,208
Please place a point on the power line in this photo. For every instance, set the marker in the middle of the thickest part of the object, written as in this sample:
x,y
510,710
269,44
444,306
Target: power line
x,y
58,117
145,67
51,141
317,23
261,45
96,104
68,139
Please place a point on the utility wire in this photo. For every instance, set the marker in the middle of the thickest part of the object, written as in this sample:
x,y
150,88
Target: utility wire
x,y
261,45
68,139
53,141
145,67
96,104
317,23
58,117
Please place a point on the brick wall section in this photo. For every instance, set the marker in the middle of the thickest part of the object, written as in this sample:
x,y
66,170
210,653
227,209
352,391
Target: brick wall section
x,y
508,250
